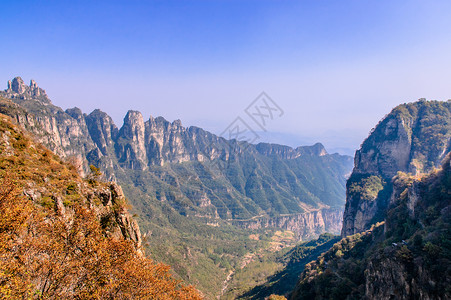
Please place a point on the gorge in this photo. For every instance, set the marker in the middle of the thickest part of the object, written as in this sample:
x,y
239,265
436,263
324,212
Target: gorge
x,y
188,184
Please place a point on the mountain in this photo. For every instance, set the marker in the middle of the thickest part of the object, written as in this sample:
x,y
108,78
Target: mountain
x,y
196,194
406,257
396,232
412,138
65,237
180,163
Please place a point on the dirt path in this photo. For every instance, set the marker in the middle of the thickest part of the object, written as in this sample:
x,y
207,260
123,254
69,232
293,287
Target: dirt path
x,y
248,258
226,283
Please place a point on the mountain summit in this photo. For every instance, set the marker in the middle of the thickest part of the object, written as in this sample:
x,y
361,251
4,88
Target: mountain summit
x,y
412,138
18,89
396,231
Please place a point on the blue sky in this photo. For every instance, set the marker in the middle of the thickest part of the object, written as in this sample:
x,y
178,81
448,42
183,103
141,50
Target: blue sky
x,y
335,67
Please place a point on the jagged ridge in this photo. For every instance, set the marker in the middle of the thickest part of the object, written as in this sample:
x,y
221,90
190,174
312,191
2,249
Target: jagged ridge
x,y
249,180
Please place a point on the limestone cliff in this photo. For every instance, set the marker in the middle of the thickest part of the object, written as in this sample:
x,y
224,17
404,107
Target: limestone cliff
x,y
67,237
249,180
413,138
305,226
406,256
48,181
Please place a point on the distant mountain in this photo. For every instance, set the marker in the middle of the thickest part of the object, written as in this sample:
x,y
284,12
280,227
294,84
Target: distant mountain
x,y
192,189
198,173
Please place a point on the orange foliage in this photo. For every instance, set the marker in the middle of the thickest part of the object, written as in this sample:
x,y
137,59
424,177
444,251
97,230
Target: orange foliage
x,y
45,255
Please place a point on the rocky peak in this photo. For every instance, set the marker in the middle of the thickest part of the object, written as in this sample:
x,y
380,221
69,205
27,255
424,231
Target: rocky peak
x,y
413,138
18,85
75,113
131,141
177,123
133,126
17,89
315,150
102,129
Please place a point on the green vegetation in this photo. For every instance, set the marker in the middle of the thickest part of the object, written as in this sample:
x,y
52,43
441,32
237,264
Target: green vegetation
x,y
366,188
414,243
185,209
276,273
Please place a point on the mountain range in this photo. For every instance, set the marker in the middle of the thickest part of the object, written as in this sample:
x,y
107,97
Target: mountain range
x,y
182,181
225,213
67,237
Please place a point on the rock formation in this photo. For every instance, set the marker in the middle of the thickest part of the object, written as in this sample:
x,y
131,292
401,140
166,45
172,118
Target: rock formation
x,y
395,233
413,138
407,257
305,226
189,185
162,146
18,89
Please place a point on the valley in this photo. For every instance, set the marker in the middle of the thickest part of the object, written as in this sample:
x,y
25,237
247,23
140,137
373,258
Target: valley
x,y
270,213
225,150
196,217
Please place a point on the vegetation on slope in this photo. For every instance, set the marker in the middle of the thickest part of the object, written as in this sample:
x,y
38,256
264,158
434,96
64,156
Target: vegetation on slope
x,y
56,239
407,257
414,138
276,273
185,208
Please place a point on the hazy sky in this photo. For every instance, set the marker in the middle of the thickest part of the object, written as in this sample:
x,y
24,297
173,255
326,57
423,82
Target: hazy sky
x,y
334,67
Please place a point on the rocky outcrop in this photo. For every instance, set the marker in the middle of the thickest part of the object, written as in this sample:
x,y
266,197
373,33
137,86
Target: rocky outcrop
x,y
305,226
389,276
404,257
52,189
113,200
413,138
18,89
193,171
102,130
130,147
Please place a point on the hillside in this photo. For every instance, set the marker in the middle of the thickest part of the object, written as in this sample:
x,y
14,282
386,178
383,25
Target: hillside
x,y
412,138
407,257
396,230
197,195
64,237
276,273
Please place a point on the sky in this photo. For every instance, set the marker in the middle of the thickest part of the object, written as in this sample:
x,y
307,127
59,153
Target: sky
x,y
334,68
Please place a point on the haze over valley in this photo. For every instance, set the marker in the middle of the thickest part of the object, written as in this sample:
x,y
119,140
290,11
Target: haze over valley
x,y
225,150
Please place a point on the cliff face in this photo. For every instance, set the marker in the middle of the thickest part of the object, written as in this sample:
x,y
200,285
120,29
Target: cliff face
x,y
46,180
406,256
66,237
419,216
305,226
390,276
413,138
249,180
